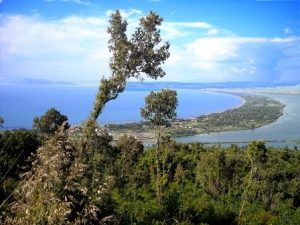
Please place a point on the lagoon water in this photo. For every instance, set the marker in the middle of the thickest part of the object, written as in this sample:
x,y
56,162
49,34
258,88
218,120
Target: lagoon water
x,y
283,132
20,103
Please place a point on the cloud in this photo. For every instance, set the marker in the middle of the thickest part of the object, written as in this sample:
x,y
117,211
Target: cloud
x,y
224,59
190,24
71,49
173,30
1,1
74,49
218,49
126,13
288,65
212,32
79,2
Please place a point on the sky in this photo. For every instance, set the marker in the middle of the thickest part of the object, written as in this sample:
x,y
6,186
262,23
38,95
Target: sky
x,y
211,40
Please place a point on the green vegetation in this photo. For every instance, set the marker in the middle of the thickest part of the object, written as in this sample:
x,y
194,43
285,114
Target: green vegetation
x,y
199,184
49,123
160,109
257,111
17,150
213,185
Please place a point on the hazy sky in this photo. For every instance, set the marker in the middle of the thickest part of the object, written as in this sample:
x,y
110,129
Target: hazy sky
x,y
211,41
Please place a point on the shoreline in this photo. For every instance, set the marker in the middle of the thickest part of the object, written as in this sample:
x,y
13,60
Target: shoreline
x,y
282,132
243,101
253,112
237,95
234,109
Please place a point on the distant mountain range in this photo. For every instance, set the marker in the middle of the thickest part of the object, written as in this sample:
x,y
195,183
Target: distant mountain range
x,y
159,85
44,82
176,85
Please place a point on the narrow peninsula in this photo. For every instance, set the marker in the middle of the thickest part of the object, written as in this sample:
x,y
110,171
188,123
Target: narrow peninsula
x,y
256,111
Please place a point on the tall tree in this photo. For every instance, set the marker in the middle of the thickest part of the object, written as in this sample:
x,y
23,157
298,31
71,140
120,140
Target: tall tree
x,y
142,54
159,110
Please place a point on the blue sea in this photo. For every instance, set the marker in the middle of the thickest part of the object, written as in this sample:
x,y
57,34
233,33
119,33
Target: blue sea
x,y
20,103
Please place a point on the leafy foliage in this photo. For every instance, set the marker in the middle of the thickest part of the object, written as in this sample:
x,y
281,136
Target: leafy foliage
x,y
116,184
206,185
64,185
17,148
50,122
142,53
160,107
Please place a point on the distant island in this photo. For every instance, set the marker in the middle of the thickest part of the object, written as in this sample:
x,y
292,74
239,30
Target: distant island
x,y
256,111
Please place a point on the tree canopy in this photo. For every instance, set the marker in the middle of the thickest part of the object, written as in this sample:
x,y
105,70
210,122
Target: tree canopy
x,y
50,122
142,54
160,107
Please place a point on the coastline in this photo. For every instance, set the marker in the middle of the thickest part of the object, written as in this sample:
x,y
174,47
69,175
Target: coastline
x,y
253,112
236,94
242,102
280,133
237,115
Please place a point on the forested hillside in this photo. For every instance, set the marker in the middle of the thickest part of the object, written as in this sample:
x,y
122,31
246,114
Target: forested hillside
x,y
199,184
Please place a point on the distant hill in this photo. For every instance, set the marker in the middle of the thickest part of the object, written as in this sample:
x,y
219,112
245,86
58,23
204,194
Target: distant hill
x,y
44,82
176,85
